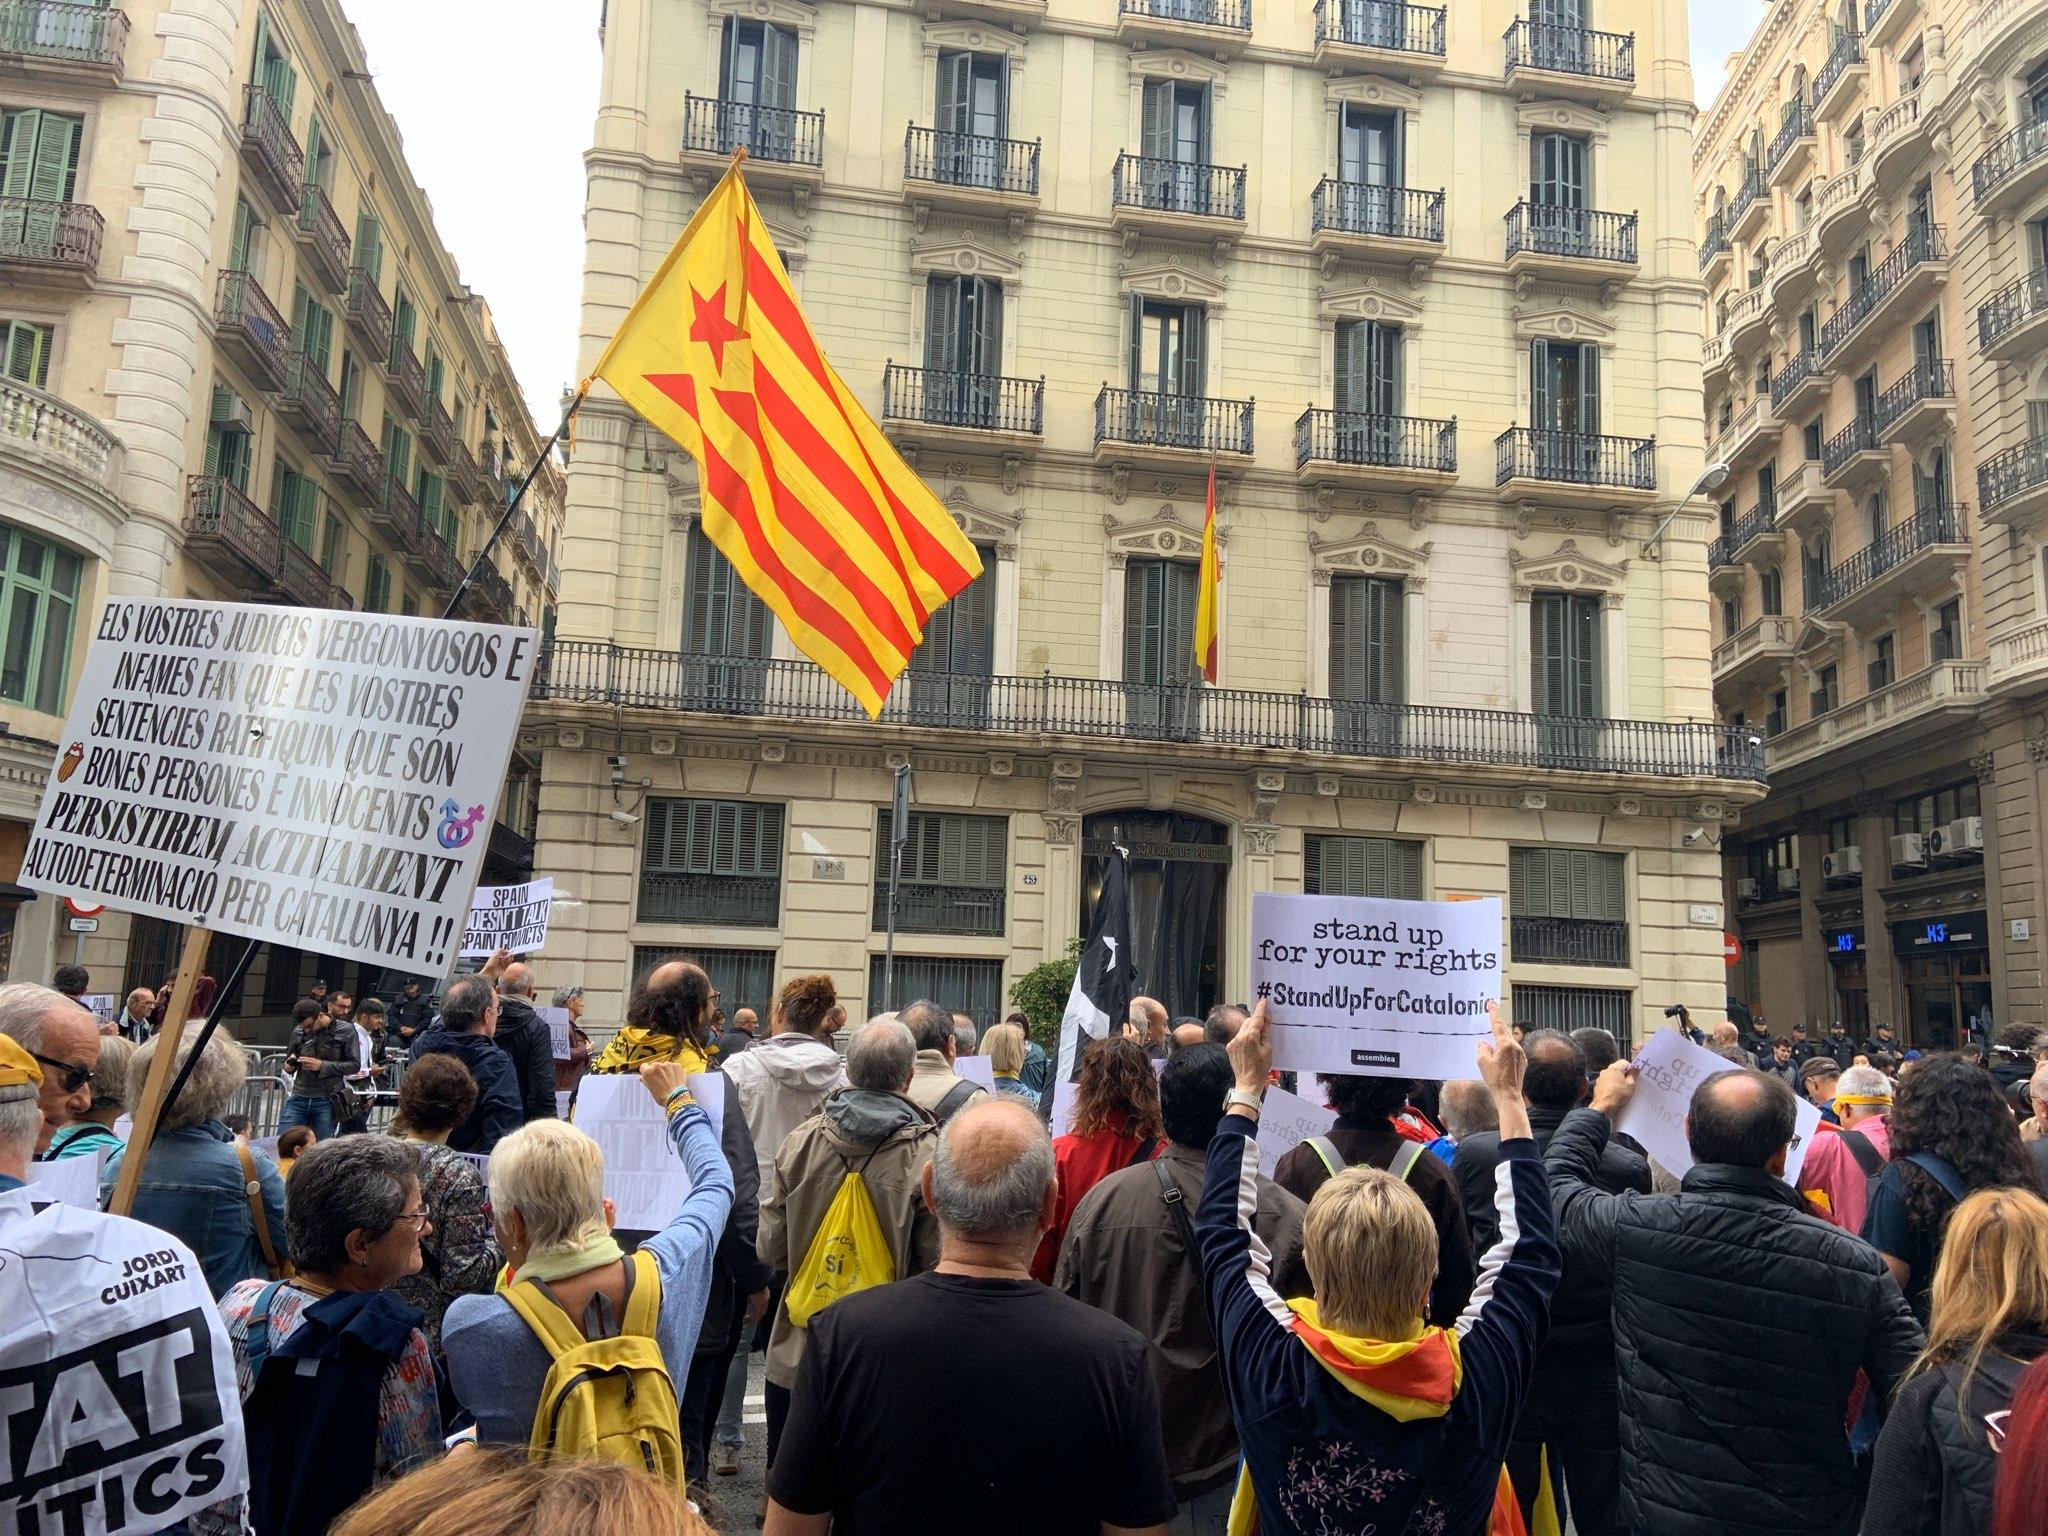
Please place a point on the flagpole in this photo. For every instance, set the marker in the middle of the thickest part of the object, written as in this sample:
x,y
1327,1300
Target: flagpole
x,y
899,833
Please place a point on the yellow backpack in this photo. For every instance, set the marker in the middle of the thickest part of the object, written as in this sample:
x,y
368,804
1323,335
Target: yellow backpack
x,y
608,1399
848,1253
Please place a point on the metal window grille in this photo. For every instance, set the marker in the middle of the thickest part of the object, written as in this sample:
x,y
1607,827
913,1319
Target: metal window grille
x,y
1570,1008
972,987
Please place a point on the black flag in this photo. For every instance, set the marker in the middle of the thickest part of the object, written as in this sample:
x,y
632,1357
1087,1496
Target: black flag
x,y
1101,999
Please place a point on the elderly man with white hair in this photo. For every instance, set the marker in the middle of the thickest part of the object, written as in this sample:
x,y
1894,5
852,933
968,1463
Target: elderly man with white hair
x,y
1845,1159
64,1041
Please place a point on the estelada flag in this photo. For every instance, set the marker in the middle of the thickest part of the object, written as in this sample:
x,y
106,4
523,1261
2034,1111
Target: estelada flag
x,y
1209,603
799,489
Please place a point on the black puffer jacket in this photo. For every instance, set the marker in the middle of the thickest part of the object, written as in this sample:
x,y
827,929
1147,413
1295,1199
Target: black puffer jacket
x,y
1740,1322
1935,1468
524,1036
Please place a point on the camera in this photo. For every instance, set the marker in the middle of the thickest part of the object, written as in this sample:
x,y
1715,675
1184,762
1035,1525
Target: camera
x,y
1675,1011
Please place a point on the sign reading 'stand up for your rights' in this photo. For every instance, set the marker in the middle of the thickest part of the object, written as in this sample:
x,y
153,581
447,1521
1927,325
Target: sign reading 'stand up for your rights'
x,y
318,779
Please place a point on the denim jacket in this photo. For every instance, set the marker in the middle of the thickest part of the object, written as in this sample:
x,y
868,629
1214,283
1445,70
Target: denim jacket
x,y
193,1188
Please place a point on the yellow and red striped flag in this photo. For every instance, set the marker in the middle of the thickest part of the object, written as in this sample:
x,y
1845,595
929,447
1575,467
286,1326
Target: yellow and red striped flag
x,y
799,489
1209,604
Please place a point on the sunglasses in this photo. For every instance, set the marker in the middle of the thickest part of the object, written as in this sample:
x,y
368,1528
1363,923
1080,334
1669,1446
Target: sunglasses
x,y
75,1076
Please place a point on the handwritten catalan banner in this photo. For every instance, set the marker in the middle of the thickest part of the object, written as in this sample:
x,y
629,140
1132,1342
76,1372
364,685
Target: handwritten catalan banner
x,y
508,917
324,780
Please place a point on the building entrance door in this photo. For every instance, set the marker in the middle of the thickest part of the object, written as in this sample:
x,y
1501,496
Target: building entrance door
x,y
1180,867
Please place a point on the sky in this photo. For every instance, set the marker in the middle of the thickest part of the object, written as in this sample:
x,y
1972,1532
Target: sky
x,y
496,101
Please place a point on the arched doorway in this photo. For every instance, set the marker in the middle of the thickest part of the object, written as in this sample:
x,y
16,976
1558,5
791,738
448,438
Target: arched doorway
x,y
1180,866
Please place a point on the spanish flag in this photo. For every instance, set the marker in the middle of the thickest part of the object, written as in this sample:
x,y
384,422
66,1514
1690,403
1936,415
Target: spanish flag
x,y
1209,605
799,488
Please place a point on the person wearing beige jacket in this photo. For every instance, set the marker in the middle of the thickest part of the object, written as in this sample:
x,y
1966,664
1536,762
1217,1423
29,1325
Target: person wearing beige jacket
x,y
870,1127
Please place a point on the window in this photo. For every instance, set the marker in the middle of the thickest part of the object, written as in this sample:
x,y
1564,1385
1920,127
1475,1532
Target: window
x,y
25,352
334,547
1876,515
1809,331
351,385
1727,518
1368,374
953,874
1159,622
1570,1008
1802,211
227,439
1557,171
369,247
1866,396
1174,123
430,491
1931,489
1731,616
1362,866
1945,639
1920,211
1770,582
1937,807
743,978
1770,869
38,605
1568,906
1565,647
1775,718
1927,341
758,65
1881,670
38,161
971,104
711,861
1367,649
722,618
397,452
281,972
1815,563
1859,267
963,350
1369,148
403,319
319,158
294,505
972,987
1810,441
1827,692
1564,392
948,679
377,585
435,373
272,67
1166,349
312,328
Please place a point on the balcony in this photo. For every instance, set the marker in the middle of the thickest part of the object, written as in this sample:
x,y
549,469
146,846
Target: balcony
x,y
355,460
1924,552
1840,216
719,901
1177,198
1748,322
309,402
326,242
1802,384
487,599
46,40
1886,722
368,315
249,329
1545,60
1791,152
432,561
1792,275
975,911
464,477
1019,15
931,405
1886,22
1218,27
1715,362
49,244
1562,467
2012,487
1920,405
2012,170
1574,245
2019,658
1806,505
299,580
228,536
784,147
1899,284
1406,41
1182,431
1841,78
1854,456
1715,252
1756,532
1391,452
396,516
408,386
1752,434
437,433
43,438
1567,941
2014,323
1900,142
1752,655
523,540
1749,211
1368,223
970,173
610,677
269,150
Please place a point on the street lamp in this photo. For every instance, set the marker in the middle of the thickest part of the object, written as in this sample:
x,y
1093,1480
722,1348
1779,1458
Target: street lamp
x,y
1711,479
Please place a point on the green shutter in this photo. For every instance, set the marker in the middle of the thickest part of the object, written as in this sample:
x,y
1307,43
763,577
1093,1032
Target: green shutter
x,y
25,352
245,229
377,585
369,247
279,476
39,155
315,151
334,547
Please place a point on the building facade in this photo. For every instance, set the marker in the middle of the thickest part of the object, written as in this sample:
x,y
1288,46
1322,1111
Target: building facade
x,y
236,362
1419,283
1870,189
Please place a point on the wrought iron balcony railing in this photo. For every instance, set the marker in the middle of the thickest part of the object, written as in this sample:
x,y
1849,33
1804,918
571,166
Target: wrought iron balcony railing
x,y
367,311
69,34
1546,229
247,319
227,533
1178,186
974,160
268,133
1576,458
1930,378
1233,14
1161,419
734,901
1392,213
1385,442
1846,52
321,226
1798,368
975,401
1757,521
42,232
2012,307
2012,474
1568,941
1797,125
2022,146
1923,243
1746,195
598,672
1381,24
309,396
1938,524
1713,240
1860,436
973,910
1571,51
780,135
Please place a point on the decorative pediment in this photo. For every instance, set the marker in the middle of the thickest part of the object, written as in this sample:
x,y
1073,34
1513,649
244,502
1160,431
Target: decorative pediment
x,y
985,525
1561,116
793,14
1372,90
1176,64
1166,534
1566,569
1368,301
971,37
1171,281
792,237
1368,554
963,256
1560,322
1817,641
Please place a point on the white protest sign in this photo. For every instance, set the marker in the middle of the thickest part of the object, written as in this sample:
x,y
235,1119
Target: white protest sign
x,y
73,1180
119,1410
1376,988
1285,1122
509,917
1065,1096
1668,1069
102,1005
322,780
558,1030
976,1069
643,1177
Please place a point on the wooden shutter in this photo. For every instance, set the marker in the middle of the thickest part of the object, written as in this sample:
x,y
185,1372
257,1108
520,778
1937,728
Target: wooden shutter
x,y
1542,387
1583,650
1144,604
334,547
778,66
1137,372
244,232
1193,358
1347,626
703,615
300,299
25,352
755,626
1384,657
1547,652
1589,388
315,150
955,85
1350,393
1155,140
984,336
369,247
40,151
942,325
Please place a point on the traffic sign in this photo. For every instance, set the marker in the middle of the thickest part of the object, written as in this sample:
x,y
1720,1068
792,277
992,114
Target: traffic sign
x,y
83,909
84,924
1731,949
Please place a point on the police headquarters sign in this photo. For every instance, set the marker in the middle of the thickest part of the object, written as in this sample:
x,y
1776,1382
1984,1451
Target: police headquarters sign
x,y
317,779
1377,988
119,1410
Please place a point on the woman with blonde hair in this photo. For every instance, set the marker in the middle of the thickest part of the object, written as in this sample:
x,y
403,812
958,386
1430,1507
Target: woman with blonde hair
x,y
1116,1124
482,1493
1937,1459
1004,1046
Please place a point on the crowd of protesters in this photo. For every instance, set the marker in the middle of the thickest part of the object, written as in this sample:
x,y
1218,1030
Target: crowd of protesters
x,y
1468,1307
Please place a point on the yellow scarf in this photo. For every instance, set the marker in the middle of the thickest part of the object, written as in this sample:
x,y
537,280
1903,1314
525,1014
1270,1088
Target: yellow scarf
x,y
634,1046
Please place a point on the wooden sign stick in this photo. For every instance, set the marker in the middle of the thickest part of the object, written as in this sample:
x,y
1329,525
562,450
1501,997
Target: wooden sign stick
x,y
162,1068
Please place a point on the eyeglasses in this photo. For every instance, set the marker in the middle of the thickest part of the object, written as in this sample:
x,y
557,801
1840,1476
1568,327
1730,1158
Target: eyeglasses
x,y
418,1217
75,1076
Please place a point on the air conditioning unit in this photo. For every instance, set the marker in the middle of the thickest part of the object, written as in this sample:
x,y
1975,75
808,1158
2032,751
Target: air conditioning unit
x,y
1746,889
1937,843
1966,835
1840,863
1788,882
231,413
1909,851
